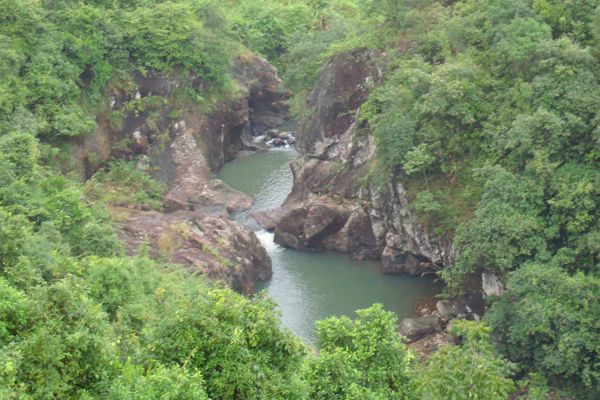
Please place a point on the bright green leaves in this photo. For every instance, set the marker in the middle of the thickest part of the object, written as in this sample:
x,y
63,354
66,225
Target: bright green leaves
x,y
469,371
14,312
361,359
441,110
574,210
169,35
19,155
516,43
269,27
159,382
47,205
235,342
57,59
66,348
418,160
549,214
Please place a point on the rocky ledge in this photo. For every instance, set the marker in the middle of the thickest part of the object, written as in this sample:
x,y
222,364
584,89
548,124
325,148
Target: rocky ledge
x,y
214,246
184,147
432,328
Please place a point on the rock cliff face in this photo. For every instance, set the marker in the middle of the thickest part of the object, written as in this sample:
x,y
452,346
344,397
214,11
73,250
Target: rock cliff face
x,y
330,207
183,144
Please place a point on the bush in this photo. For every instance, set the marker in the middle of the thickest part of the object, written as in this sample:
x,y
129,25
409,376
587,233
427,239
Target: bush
x,y
471,370
123,184
364,358
236,344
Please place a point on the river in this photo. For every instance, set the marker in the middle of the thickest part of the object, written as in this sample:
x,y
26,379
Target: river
x,y
312,286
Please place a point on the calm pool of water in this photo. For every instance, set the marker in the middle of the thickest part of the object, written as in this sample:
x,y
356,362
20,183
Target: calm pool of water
x,y
312,286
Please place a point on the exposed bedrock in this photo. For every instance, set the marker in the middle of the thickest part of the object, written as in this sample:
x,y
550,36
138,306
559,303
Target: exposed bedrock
x,y
331,207
216,247
183,144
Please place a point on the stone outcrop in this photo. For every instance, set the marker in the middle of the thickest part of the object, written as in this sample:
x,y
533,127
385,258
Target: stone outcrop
x,y
141,117
491,285
182,144
218,248
432,329
331,207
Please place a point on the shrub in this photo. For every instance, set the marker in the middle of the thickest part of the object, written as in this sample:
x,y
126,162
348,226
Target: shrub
x,y
548,322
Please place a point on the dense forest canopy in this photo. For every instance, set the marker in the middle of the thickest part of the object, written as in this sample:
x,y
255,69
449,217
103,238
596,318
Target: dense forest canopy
x,y
489,114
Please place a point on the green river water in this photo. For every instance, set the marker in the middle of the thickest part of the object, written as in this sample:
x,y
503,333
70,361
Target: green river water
x,y
312,286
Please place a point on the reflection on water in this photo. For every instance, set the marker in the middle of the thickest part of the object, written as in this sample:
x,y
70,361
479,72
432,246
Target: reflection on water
x,y
312,286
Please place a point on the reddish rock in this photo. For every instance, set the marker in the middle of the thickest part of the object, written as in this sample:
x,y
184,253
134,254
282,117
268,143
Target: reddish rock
x,y
216,247
184,149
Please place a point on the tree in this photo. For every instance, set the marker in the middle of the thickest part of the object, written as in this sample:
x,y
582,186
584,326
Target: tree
x,y
364,358
235,342
548,321
419,159
160,382
471,370
507,228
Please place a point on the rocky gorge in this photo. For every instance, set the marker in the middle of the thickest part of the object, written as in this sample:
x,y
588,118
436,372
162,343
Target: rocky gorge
x,y
330,207
333,207
183,146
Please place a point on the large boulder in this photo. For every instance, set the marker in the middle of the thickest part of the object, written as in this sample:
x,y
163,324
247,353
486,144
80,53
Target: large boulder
x,y
416,328
216,247
343,85
311,224
453,308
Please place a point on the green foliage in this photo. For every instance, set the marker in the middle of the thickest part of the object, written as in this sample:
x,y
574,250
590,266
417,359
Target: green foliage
x,y
161,382
268,26
123,184
170,35
507,228
471,370
34,202
18,155
58,57
548,321
236,343
13,312
488,114
364,358
497,105
573,19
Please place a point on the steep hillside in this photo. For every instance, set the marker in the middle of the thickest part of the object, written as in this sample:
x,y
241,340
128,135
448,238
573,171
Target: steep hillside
x,y
452,137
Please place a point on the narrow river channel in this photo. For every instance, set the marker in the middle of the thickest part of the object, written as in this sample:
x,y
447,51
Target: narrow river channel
x,y
312,286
